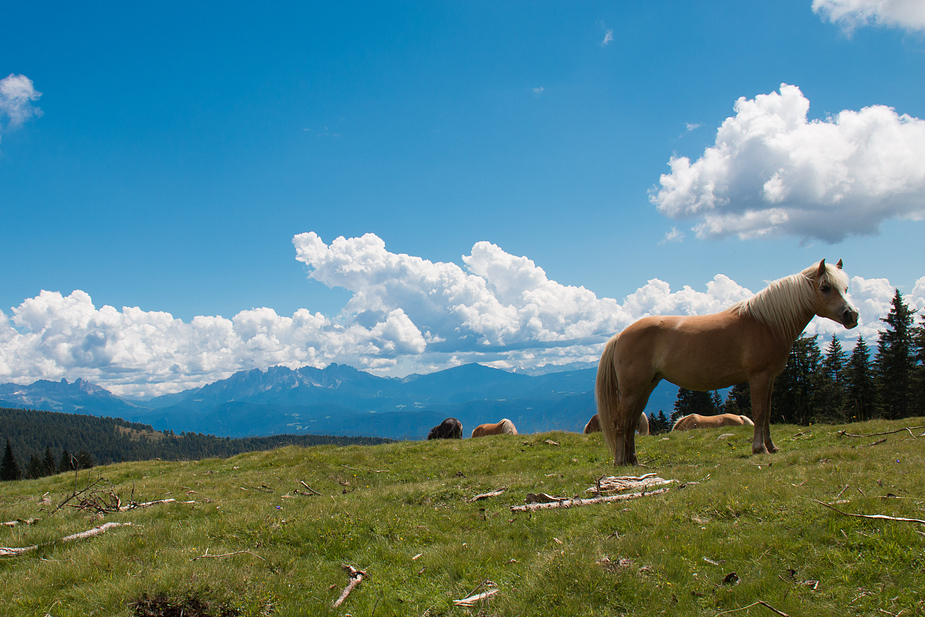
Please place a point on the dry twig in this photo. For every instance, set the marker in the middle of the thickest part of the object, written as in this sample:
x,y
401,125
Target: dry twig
x,y
308,488
908,428
19,521
10,552
477,598
568,503
356,577
224,555
761,602
873,516
494,493
617,484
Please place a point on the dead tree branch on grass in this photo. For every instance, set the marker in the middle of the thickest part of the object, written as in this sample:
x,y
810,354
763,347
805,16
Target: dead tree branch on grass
x,y
226,555
494,493
908,429
569,503
761,602
20,521
882,517
356,577
9,552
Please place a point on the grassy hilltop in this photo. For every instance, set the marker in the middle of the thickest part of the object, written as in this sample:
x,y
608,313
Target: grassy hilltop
x,y
733,532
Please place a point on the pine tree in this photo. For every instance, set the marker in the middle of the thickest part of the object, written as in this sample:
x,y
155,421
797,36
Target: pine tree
x,y
48,463
84,460
9,468
67,462
691,401
34,469
895,363
739,400
832,393
918,377
796,389
659,423
860,386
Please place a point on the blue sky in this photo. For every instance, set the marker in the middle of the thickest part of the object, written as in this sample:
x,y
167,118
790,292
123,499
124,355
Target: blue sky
x,y
161,165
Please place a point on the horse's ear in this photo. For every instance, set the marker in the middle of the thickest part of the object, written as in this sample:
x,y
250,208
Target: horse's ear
x,y
821,269
839,264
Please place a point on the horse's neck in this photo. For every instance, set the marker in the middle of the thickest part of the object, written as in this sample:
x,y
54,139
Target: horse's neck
x,y
784,308
796,328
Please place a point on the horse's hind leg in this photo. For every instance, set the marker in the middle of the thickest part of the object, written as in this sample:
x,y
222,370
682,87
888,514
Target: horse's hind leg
x,y
631,407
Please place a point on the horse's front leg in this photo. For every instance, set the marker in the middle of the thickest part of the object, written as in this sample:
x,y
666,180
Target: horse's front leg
x,y
761,386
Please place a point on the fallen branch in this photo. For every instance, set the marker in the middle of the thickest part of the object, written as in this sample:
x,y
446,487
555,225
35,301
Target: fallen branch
x,y
224,555
308,488
900,430
761,602
626,483
477,598
9,552
568,503
486,495
19,521
873,516
356,577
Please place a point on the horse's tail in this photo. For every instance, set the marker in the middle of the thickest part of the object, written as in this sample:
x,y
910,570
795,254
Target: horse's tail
x,y
608,396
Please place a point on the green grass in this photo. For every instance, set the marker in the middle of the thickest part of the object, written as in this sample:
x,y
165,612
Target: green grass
x,y
400,512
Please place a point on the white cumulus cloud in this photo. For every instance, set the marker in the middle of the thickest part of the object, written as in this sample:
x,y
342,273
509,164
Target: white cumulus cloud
x,y
772,172
405,312
850,14
17,94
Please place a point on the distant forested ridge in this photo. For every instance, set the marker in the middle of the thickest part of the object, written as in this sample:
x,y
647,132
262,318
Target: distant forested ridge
x,y
36,438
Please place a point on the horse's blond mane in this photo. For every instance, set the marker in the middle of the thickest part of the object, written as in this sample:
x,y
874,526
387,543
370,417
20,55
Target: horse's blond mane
x,y
784,303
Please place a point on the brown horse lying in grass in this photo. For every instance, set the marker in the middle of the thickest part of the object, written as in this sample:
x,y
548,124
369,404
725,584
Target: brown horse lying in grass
x,y
695,420
505,427
748,342
594,425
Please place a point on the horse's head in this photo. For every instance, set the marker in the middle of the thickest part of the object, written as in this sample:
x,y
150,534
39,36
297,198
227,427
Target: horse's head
x,y
832,302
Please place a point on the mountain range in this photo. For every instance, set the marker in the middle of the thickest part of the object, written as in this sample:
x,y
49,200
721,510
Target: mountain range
x,y
341,400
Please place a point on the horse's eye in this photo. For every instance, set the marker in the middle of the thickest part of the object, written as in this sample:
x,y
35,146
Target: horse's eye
x,y
825,289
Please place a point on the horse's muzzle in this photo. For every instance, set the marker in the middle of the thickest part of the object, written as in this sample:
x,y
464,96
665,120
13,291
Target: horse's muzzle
x,y
849,318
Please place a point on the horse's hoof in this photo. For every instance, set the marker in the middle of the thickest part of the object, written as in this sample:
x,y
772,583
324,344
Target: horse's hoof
x,y
761,450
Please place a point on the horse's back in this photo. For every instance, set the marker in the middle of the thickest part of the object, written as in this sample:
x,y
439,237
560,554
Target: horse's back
x,y
503,427
695,420
451,428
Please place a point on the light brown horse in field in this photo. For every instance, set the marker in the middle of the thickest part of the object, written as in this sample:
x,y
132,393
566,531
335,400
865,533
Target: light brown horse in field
x,y
505,427
695,420
748,342
594,425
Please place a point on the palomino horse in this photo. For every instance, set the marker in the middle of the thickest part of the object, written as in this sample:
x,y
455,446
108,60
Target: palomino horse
x,y
695,420
451,428
594,425
505,427
748,342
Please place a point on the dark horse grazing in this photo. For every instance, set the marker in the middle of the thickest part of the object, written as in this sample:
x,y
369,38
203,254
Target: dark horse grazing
x,y
451,428
594,425
748,342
